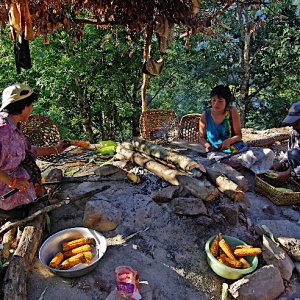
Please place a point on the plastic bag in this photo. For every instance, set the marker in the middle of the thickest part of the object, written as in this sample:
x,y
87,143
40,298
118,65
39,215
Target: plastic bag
x,y
127,283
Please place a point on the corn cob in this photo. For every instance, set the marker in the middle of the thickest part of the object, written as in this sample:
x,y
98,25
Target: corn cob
x,y
56,260
83,144
214,248
245,264
247,252
72,261
233,263
241,247
77,250
88,255
227,249
77,243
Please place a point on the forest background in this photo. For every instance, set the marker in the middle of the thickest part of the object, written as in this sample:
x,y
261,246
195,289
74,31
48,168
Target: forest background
x,y
91,88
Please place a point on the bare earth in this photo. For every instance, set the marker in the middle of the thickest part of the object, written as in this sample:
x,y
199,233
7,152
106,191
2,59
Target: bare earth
x,y
168,252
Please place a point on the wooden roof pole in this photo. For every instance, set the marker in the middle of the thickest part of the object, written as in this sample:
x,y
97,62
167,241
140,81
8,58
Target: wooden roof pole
x,y
146,54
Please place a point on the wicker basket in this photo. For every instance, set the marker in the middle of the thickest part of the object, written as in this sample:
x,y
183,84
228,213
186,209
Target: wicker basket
x,y
267,187
189,128
41,131
159,125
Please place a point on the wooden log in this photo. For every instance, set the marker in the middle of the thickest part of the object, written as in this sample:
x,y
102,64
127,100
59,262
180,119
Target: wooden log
x,y
7,241
15,280
148,163
198,188
196,147
180,161
226,186
268,141
228,171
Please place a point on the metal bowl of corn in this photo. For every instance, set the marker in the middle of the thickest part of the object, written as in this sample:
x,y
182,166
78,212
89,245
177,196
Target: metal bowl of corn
x,y
223,270
73,252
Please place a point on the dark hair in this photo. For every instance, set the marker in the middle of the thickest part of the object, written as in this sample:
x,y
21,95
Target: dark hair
x,y
222,91
17,107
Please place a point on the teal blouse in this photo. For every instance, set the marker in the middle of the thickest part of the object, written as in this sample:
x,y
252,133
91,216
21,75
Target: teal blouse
x,y
217,133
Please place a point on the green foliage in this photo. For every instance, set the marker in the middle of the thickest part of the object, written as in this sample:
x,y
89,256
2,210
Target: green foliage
x,y
92,89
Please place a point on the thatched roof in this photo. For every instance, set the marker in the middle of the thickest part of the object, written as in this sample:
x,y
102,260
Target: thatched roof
x,y
50,15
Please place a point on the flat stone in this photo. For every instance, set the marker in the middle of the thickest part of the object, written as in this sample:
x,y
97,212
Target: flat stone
x,y
231,214
281,228
292,246
276,256
188,206
166,194
101,215
264,284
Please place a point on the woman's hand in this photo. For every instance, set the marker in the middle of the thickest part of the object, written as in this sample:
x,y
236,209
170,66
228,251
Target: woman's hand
x,y
275,166
283,176
63,145
208,147
225,144
21,184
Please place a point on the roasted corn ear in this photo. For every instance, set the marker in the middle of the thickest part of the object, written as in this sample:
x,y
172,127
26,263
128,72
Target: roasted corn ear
x,y
82,144
245,264
214,248
72,261
77,250
88,255
56,260
241,247
77,243
227,249
247,252
233,263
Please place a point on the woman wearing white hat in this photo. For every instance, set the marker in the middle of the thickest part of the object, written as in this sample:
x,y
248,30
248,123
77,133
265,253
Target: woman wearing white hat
x,y
17,104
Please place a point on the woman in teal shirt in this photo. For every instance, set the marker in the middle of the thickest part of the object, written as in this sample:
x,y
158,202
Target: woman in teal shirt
x,y
220,126
220,130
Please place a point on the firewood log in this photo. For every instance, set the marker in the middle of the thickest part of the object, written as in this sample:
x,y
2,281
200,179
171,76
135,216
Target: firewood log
x,y
199,188
180,161
226,186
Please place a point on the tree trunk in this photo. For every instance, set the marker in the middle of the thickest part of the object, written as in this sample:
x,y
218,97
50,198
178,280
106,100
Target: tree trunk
x,y
147,48
246,33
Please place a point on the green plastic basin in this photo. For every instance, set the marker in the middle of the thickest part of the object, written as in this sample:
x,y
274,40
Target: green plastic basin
x,y
223,270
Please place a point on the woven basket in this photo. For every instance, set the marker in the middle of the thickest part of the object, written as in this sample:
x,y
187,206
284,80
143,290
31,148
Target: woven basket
x,y
159,125
41,131
189,128
267,187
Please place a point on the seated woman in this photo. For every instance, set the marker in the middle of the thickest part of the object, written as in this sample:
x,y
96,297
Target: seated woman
x,y
18,169
220,131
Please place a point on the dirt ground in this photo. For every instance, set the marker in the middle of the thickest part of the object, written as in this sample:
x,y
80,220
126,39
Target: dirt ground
x,y
168,252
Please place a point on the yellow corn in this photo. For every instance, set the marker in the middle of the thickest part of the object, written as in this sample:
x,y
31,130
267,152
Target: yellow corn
x,y
247,252
56,260
77,250
245,264
72,261
88,255
77,243
241,247
227,249
214,248
233,263
82,144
